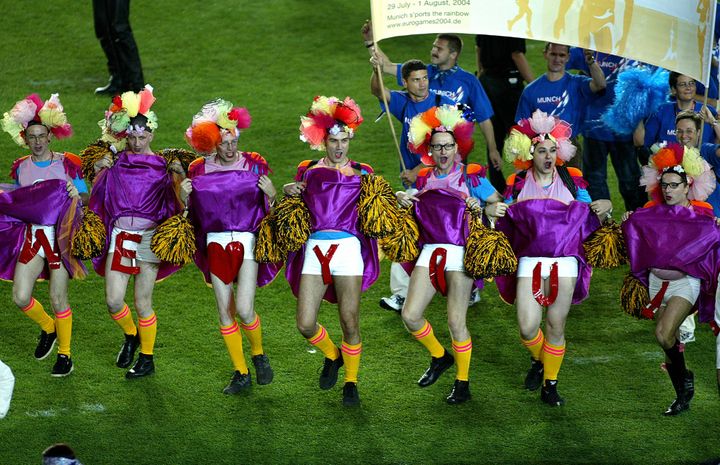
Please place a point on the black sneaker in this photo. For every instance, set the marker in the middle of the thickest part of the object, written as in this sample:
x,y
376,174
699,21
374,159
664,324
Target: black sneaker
x,y
549,394
239,382
329,374
351,397
143,366
460,392
263,370
682,401
534,377
437,367
45,345
63,366
127,352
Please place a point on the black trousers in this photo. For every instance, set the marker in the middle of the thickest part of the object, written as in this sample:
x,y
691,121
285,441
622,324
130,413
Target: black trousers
x,y
112,28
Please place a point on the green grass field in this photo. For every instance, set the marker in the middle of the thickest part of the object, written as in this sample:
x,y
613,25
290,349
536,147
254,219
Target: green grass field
x,y
273,57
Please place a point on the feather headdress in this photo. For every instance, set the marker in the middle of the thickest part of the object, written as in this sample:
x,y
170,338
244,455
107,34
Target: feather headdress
x,y
329,115
213,120
676,158
116,124
520,143
446,118
32,109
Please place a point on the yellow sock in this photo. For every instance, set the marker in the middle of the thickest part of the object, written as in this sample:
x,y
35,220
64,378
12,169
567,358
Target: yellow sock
x,y
322,341
351,360
426,337
463,352
148,332
535,344
63,325
36,312
233,340
124,319
253,332
552,357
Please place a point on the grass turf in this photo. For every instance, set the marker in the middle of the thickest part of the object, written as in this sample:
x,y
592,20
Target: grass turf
x,y
273,57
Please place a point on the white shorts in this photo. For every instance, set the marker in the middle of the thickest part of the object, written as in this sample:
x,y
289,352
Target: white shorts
x,y
346,261
567,266
247,239
142,249
49,233
688,288
455,260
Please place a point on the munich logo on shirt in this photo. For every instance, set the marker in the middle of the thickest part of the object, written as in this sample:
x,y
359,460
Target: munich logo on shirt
x,y
560,102
457,96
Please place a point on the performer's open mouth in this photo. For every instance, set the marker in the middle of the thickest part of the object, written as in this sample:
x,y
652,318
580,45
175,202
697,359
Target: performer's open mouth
x,y
547,165
443,160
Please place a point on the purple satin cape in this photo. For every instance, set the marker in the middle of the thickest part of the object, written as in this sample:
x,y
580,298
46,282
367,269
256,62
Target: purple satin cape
x,y
228,201
45,203
331,198
548,228
136,185
675,238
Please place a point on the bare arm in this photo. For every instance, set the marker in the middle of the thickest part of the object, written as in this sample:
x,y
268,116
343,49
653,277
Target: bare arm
x,y
489,133
598,78
375,87
388,66
523,66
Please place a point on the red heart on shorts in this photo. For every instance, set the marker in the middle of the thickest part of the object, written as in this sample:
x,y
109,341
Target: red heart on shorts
x,y
225,262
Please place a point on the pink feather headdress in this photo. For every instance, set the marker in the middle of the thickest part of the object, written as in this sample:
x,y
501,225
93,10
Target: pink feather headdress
x,y
520,143
32,109
214,119
329,115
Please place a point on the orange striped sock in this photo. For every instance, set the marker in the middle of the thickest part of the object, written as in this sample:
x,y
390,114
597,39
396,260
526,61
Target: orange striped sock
x,y
35,311
253,332
463,352
124,319
63,325
426,337
535,345
322,341
552,357
351,359
233,340
148,331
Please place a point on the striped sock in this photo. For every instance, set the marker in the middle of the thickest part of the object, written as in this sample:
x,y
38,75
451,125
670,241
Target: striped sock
x,y
351,359
124,319
552,357
253,332
426,337
35,311
233,340
63,324
463,352
322,341
535,345
148,332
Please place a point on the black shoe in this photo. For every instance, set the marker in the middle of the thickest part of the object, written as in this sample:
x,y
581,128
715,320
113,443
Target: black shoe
x,y
351,397
143,366
63,366
677,407
45,345
684,389
437,367
127,352
263,370
329,374
549,394
112,88
460,392
239,382
534,377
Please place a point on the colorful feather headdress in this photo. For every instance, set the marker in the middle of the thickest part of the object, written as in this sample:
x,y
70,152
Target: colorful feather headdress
x,y
329,115
49,113
214,119
520,143
446,118
676,158
116,124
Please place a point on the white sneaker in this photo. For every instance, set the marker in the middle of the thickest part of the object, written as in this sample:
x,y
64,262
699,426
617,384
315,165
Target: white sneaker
x,y
474,297
395,302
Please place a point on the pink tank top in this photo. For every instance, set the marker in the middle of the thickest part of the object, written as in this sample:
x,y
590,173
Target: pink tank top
x,y
556,190
453,181
29,173
212,166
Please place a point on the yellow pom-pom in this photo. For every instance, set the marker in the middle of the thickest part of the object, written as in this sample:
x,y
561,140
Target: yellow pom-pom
x,y
131,103
174,240
692,162
488,252
377,207
185,157
517,146
293,223
89,240
267,249
417,131
634,297
90,155
449,116
402,245
605,248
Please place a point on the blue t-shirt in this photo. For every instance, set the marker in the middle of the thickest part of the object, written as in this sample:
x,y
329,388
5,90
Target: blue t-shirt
x,y
566,98
709,153
77,182
459,86
660,126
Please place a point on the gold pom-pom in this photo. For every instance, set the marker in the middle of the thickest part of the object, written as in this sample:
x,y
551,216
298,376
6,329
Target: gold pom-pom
x,y
605,248
185,157
488,252
293,223
402,245
92,154
634,297
174,240
89,240
377,207
267,248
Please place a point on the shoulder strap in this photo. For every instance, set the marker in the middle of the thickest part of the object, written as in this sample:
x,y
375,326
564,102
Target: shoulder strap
x,y
567,179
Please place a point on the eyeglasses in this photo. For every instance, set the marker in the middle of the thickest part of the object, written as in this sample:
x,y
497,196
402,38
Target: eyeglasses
x,y
685,85
671,185
439,147
40,138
